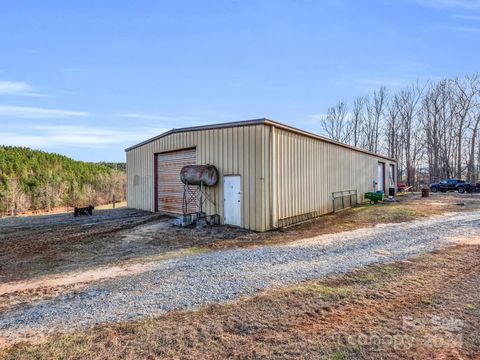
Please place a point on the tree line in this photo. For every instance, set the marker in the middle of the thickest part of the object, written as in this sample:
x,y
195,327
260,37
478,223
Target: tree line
x,y
431,128
37,180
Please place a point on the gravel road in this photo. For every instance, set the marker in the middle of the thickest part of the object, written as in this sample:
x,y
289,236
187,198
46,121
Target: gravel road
x,y
220,276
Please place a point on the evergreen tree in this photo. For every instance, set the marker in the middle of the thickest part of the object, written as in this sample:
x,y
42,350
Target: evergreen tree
x,y
37,180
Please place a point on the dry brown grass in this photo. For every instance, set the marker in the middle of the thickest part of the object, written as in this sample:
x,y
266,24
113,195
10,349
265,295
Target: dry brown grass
x,y
410,207
348,317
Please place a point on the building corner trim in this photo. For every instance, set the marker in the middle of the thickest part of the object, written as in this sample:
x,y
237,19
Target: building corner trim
x,y
273,177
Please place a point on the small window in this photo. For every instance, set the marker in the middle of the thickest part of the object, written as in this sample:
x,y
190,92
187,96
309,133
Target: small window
x,y
136,180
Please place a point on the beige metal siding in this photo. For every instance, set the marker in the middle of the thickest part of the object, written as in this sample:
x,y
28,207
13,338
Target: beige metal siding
x,y
306,171
234,151
170,187
287,176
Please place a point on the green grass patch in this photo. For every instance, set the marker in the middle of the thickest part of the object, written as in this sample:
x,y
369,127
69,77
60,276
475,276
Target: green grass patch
x,y
338,355
397,214
325,292
360,208
367,278
471,306
197,250
389,270
376,274
385,213
346,353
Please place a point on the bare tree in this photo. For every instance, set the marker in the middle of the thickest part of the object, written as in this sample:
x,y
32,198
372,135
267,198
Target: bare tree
x,y
472,175
431,122
431,129
465,94
335,123
393,127
357,121
410,99
15,198
375,107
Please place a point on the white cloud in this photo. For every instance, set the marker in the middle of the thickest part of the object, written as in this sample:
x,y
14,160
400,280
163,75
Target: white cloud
x,y
54,136
165,118
17,88
179,120
38,113
146,117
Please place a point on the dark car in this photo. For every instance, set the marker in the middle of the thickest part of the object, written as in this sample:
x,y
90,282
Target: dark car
x,y
451,185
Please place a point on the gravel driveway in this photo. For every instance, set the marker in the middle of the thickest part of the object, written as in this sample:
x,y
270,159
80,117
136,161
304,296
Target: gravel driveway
x,y
219,276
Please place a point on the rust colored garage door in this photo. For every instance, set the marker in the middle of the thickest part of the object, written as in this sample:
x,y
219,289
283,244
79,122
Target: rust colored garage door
x,y
170,187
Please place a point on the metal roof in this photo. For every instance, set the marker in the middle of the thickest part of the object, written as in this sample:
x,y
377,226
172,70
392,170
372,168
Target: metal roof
x,y
262,121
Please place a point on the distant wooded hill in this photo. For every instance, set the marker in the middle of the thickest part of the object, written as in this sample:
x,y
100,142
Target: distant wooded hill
x,y
115,165
37,180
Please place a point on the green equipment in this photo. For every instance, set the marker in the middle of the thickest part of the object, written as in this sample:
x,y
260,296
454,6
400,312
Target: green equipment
x,y
374,197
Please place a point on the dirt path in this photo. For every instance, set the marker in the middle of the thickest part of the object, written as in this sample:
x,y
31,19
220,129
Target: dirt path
x,y
186,283
38,245
21,293
32,247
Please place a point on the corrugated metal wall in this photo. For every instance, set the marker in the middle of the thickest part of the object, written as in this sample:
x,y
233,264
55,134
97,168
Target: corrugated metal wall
x,y
307,171
234,151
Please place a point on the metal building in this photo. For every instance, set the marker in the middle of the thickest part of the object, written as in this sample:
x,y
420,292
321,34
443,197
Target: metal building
x,y
271,175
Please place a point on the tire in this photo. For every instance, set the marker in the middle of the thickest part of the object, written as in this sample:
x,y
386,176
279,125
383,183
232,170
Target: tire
x,y
433,189
461,190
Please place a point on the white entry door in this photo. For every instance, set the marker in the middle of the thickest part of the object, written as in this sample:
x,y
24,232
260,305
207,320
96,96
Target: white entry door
x,y
232,206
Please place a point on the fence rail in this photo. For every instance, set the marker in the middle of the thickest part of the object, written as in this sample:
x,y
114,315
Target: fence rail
x,y
344,199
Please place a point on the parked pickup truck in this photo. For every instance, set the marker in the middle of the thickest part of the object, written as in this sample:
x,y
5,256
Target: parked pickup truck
x,y
451,185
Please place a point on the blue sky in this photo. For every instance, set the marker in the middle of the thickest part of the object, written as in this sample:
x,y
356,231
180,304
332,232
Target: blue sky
x,y
89,78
